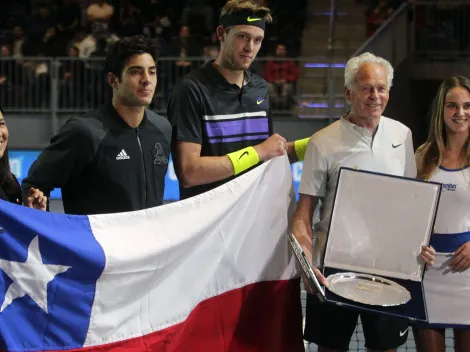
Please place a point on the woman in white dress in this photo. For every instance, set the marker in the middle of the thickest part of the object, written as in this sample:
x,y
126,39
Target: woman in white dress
x,y
445,158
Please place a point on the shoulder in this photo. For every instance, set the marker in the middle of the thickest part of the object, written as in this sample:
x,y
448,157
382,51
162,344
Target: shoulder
x,y
395,126
190,85
419,155
91,125
256,80
159,121
327,134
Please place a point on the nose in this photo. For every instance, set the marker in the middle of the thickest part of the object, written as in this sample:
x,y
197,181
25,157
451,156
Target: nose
x,y
373,94
249,46
460,111
145,78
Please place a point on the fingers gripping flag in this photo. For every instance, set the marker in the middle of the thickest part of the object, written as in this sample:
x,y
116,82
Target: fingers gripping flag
x,y
210,273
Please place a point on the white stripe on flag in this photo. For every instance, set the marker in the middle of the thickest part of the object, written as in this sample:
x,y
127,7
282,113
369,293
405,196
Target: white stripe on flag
x,y
162,262
234,116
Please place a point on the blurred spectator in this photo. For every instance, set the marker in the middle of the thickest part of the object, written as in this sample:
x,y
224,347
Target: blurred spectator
x,y
281,76
88,45
101,11
130,20
211,49
186,46
196,11
50,45
8,68
378,16
18,41
67,19
72,76
38,23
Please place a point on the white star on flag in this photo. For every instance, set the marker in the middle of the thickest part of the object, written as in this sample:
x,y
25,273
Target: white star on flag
x,y
31,277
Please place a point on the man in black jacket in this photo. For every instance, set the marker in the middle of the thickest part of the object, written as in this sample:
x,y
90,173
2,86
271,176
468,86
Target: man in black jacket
x,y
115,158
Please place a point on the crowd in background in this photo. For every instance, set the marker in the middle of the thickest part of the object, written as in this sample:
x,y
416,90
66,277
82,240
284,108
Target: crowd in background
x,y
82,30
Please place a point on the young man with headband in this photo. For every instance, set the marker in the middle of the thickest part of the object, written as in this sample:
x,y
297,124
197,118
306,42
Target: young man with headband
x,y
221,113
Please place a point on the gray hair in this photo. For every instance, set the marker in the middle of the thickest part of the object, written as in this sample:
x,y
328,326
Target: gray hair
x,y
353,65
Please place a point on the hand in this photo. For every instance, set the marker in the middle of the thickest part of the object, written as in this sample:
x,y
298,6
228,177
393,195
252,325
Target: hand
x,y
36,199
306,244
271,147
461,260
427,256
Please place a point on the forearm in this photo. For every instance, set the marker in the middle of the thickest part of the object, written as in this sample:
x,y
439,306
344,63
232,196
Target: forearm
x,y
296,150
302,227
293,158
206,169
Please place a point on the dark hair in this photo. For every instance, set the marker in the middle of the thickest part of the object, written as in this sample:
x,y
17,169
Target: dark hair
x,y
121,51
8,181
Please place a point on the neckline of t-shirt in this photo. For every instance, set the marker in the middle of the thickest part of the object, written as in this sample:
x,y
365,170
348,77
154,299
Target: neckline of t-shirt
x,y
453,170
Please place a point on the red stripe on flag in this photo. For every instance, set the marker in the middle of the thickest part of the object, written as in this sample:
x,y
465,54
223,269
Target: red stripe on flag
x,y
261,317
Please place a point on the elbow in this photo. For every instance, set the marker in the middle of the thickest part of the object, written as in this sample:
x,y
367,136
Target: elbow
x,y
186,177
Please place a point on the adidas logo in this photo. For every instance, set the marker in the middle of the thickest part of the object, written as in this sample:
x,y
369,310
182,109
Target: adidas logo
x,y
122,155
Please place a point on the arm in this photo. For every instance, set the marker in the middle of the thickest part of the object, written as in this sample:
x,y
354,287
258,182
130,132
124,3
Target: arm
x,y
268,72
410,160
302,222
312,187
185,111
293,72
65,157
296,150
193,169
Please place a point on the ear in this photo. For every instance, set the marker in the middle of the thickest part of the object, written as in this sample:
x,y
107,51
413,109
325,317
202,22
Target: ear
x,y
112,79
347,94
220,31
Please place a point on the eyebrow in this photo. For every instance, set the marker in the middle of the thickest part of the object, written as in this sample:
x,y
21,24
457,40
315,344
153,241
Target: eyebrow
x,y
249,34
141,68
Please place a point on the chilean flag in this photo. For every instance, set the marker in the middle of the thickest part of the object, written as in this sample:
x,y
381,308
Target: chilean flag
x,y
207,274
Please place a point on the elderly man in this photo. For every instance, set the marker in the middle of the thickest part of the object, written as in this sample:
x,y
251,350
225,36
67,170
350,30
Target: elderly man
x,y
366,140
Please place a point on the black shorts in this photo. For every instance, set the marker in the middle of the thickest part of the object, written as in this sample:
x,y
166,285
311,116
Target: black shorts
x,y
332,327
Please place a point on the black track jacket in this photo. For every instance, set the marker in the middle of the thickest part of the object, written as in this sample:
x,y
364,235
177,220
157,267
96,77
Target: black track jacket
x,y
103,165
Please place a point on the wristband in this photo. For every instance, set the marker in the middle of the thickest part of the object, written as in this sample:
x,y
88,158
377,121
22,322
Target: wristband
x,y
243,159
300,146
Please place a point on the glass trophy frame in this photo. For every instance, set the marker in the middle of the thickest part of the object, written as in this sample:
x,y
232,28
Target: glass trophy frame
x,y
377,227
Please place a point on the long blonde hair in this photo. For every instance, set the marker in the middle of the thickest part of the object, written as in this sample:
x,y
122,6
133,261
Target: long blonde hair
x,y
430,153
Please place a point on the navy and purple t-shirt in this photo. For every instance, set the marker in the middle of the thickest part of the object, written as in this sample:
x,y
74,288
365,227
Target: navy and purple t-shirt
x,y
208,110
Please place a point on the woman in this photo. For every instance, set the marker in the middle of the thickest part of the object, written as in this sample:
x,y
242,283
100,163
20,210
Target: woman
x,y
10,189
445,158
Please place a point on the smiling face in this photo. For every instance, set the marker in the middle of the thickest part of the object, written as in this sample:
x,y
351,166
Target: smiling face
x,y
3,135
456,112
137,83
240,45
369,95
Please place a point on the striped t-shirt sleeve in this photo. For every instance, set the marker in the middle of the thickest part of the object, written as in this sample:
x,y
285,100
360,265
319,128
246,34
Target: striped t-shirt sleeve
x,y
185,113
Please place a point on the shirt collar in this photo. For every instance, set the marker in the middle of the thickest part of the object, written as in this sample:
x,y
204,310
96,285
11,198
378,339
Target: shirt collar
x,y
221,81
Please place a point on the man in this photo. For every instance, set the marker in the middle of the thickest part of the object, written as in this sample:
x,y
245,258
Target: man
x,y
366,140
281,76
221,113
115,158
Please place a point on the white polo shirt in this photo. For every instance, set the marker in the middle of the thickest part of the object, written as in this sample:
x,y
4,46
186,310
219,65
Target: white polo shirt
x,y
344,144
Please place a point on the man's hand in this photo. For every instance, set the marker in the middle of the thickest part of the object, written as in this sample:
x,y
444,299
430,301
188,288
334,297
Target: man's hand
x,y
461,260
306,244
271,147
427,256
36,199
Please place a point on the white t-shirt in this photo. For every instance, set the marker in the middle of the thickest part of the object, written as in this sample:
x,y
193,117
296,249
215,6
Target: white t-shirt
x,y
344,144
453,214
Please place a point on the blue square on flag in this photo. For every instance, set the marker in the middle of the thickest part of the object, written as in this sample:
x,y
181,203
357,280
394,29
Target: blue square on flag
x,y
49,265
